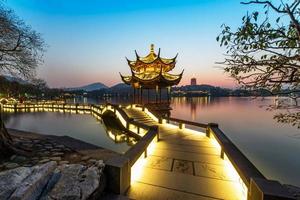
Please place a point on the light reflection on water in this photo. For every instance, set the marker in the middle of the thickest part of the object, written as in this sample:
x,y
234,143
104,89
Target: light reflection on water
x,y
273,147
83,127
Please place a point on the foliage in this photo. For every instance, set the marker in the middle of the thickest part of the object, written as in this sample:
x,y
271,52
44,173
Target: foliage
x,y
21,48
21,51
264,53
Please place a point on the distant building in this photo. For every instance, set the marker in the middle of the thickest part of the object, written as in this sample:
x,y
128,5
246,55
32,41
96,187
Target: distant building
x,y
193,81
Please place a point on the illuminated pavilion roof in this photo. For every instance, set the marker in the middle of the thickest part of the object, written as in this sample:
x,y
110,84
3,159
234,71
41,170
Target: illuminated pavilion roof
x,y
152,71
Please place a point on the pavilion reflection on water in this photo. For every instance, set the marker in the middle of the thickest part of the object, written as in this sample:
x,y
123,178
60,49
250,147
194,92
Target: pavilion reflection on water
x,y
152,73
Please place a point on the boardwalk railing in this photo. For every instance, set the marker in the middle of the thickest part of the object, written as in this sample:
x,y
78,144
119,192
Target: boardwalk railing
x,y
121,170
253,182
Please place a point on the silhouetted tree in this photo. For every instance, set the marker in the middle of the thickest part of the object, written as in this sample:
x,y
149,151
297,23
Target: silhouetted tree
x,y
20,53
264,53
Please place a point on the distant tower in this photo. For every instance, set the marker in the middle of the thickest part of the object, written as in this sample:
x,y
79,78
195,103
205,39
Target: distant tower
x,y
193,81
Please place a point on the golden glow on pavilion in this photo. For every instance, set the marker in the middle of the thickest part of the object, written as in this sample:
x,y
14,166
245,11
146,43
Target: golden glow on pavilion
x,y
152,71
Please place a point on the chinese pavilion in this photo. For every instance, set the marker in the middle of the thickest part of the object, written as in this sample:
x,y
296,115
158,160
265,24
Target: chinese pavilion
x,y
151,73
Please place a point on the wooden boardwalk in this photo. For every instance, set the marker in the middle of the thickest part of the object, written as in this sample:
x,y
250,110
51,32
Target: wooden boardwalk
x,y
185,164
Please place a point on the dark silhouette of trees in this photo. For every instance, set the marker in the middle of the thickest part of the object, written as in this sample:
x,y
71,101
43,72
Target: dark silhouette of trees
x,y
21,50
264,53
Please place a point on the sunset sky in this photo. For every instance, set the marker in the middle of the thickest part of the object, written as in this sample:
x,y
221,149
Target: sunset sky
x,y
88,40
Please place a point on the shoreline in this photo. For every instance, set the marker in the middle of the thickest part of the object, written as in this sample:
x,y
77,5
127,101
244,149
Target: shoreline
x,y
79,146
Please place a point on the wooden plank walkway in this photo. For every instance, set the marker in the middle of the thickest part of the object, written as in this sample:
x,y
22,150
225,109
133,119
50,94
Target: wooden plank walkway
x,y
185,164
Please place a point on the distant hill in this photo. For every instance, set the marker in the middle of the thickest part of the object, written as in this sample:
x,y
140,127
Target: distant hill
x,y
120,86
89,88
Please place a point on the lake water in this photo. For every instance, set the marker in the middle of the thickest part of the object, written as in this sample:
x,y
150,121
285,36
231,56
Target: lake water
x,y
274,148
84,127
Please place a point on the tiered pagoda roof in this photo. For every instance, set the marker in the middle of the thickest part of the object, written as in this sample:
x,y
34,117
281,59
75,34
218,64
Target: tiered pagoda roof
x,y
152,71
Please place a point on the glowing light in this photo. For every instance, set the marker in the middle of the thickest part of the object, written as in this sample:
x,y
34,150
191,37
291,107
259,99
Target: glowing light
x,y
215,142
233,174
181,126
122,120
137,168
151,115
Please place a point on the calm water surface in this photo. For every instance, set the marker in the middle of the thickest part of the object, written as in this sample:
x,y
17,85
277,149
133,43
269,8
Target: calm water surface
x,y
80,126
274,148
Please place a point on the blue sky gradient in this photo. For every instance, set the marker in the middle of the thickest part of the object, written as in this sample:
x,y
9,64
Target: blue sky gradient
x,y
88,40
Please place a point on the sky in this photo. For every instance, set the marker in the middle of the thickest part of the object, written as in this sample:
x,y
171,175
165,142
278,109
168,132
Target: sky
x,y
88,40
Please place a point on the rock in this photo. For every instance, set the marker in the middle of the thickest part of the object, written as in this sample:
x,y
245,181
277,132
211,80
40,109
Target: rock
x,y
11,165
68,149
39,145
46,152
52,181
11,179
19,159
64,162
48,147
58,154
55,158
60,146
77,182
44,160
13,157
33,185
28,146
89,182
85,158
28,165
92,161
57,150
74,156
100,164
67,186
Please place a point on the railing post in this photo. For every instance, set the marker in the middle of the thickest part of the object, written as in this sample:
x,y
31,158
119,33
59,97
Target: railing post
x,y
208,131
208,128
118,172
145,153
156,128
127,125
181,125
222,154
160,120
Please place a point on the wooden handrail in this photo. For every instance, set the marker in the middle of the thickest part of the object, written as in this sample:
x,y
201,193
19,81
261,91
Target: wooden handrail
x,y
140,147
243,166
187,122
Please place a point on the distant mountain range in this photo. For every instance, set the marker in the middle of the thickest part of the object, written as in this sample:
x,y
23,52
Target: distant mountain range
x,y
88,88
98,86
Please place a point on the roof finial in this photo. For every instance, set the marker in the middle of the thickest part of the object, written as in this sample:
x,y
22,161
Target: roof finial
x,y
152,48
